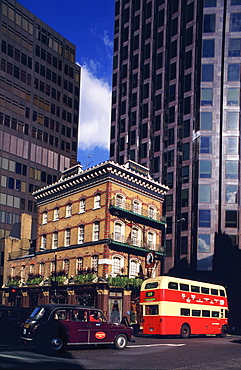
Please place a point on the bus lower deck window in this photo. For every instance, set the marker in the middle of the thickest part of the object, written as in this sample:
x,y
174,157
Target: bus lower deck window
x,y
215,313
185,312
152,309
196,312
205,313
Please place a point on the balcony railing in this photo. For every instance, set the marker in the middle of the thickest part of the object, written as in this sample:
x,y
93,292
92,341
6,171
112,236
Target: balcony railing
x,y
133,208
135,242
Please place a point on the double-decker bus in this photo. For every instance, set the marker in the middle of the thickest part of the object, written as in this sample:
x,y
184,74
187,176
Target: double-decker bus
x,y
174,306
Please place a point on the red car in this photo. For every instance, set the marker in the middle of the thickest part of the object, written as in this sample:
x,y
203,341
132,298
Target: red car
x,y
58,326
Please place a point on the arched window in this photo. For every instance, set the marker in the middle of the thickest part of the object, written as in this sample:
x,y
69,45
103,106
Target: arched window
x,y
97,201
82,206
13,272
118,264
56,213
66,267
42,269
67,237
119,232
96,231
134,268
94,263
151,240
120,201
136,206
79,265
69,210
31,269
55,240
45,218
152,212
43,242
81,234
22,273
135,236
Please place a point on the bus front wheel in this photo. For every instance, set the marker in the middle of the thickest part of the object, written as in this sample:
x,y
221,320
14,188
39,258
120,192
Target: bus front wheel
x,y
224,331
185,331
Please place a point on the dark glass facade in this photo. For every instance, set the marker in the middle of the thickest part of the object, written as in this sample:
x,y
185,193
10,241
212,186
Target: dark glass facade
x,y
39,109
176,110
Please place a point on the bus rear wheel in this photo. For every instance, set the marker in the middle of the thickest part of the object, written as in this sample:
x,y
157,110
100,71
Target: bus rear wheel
x,y
224,331
185,331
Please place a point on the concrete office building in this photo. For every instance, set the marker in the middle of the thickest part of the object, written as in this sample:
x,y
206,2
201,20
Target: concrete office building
x,y
39,110
176,110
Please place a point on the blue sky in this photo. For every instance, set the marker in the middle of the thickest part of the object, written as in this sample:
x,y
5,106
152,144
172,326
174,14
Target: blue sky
x,y
89,25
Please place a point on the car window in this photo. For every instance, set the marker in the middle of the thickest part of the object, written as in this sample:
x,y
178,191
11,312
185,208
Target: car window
x,y
60,315
37,313
79,315
96,316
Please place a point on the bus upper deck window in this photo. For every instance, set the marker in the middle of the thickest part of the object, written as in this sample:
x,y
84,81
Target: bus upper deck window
x,y
195,289
205,290
172,285
152,285
222,293
184,287
214,291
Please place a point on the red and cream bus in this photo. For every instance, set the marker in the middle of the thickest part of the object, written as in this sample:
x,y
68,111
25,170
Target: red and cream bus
x,y
174,306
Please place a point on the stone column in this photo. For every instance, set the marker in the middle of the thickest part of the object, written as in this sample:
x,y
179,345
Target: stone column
x,y
71,297
44,299
25,299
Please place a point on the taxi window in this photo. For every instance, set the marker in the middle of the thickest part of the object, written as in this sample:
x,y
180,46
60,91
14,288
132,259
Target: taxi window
x,y
37,313
79,315
96,316
60,315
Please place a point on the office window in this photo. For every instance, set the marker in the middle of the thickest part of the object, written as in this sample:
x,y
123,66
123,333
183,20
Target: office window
x,y
209,3
206,96
170,180
235,2
232,120
67,237
205,170
203,243
231,169
209,23
169,225
235,22
234,48
231,219
184,244
208,48
204,193
207,72
231,193
185,195
96,231
169,202
187,82
204,218
186,128
233,72
186,151
185,174
205,144
170,158
81,234
233,96
232,145
206,120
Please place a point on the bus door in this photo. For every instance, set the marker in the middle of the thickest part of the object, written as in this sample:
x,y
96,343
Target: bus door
x,y
151,319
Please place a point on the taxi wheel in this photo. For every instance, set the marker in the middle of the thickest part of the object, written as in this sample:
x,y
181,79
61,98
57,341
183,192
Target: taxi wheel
x,y
120,341
56,344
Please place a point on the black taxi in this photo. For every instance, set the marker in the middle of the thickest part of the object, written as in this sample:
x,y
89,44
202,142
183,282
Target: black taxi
x,y
58,326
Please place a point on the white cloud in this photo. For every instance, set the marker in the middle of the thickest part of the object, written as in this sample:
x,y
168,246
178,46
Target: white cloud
x,y
95,107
